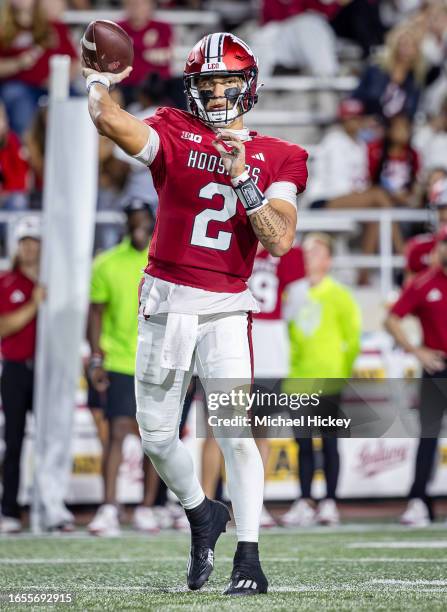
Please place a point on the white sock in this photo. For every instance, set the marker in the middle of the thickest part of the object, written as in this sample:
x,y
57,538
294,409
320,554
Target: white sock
x,y
245,475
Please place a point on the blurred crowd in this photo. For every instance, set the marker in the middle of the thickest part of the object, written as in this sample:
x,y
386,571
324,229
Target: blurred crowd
x,y
392,127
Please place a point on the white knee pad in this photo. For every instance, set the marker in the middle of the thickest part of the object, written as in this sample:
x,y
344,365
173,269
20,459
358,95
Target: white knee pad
x,y
157,444
242,448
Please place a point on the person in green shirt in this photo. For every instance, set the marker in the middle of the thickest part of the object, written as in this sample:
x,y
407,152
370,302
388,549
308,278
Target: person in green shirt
x,y
324,328
112,335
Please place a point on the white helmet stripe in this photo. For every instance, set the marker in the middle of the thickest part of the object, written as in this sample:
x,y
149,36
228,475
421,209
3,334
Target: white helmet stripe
x,y
213,48
220,51
207,48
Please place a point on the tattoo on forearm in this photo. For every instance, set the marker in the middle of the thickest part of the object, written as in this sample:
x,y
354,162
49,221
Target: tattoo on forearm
x,y
269,225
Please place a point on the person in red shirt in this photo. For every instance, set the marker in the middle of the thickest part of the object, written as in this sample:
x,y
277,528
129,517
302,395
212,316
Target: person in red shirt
x,y
393,163
152,42
28,39
20,296
13,167
425,297
420,252
222,189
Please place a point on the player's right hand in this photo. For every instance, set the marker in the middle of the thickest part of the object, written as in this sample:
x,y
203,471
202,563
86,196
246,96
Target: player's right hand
x,y
431,360
99,378
113,78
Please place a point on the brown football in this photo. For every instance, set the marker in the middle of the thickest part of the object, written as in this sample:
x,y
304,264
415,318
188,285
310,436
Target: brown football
x,y
106,47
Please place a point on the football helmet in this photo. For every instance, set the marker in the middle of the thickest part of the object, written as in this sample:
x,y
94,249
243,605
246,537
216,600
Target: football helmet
x,y
221,54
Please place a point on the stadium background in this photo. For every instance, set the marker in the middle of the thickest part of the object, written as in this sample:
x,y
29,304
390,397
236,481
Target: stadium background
x,y
301,107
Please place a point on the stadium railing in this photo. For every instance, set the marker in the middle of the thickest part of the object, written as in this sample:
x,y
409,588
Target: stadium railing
x,y
334,221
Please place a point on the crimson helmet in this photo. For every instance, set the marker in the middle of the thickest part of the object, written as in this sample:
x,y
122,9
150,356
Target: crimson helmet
x,y
221,54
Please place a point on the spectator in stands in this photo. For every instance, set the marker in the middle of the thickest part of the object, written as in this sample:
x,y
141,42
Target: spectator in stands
x,y
360,22
112,335
34,140
426,298
13,167
393,163
393,84
296,35
430,140
324,332
340,173
27,41
20,297
152,42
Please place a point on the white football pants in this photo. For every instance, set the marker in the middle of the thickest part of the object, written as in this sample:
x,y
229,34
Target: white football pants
x,y
222,351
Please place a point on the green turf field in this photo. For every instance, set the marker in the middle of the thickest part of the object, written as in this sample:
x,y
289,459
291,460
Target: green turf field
x,y
356,567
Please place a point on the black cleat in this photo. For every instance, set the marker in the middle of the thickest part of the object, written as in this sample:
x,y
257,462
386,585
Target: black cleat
x,y
201,558
247,580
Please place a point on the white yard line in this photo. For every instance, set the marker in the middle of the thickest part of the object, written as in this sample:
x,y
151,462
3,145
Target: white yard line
x,y
418,582
315,588
183,559
173,535
399,544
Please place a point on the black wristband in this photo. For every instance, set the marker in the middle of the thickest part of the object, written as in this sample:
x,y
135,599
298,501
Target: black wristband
x,y
249,193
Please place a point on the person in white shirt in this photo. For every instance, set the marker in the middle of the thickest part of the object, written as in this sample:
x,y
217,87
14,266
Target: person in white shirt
x,y
339,175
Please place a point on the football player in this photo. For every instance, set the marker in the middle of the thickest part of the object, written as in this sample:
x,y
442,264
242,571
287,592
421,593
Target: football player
x,y
222,188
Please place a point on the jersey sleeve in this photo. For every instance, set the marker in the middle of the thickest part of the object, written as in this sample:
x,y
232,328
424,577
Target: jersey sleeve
x,y
294,168
408,301
160,122
99,286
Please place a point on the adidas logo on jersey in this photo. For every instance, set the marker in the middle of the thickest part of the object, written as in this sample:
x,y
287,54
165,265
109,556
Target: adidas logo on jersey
x,y
259,156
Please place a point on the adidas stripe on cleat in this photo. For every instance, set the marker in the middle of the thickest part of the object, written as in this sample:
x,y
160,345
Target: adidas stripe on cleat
x,y
247,582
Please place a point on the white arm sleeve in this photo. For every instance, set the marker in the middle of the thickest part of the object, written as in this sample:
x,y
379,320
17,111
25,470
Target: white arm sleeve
x,y
282,190
147,154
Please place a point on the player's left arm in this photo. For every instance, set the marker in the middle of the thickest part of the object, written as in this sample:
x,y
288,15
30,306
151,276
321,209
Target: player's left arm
x,y
273,220
275,226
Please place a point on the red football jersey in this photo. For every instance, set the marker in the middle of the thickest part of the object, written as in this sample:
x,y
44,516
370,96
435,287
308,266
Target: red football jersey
x,y
417,252
15,290
426,298
203,237
270,277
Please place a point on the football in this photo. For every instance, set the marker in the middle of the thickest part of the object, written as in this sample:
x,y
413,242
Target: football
x,y
106,47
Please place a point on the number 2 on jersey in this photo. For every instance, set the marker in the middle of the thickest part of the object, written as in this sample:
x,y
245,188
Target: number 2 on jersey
x,y
199,232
